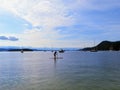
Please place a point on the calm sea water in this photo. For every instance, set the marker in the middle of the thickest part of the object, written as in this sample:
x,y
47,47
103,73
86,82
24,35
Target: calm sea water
x,y
72,71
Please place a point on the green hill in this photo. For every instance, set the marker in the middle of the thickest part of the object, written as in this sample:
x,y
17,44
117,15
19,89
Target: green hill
x,y
105,45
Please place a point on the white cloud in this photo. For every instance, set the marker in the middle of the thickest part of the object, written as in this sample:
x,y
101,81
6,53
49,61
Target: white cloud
x,y
49,14
52,13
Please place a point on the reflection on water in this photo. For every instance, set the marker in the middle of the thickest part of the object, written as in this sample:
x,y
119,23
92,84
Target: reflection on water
x,y
72,71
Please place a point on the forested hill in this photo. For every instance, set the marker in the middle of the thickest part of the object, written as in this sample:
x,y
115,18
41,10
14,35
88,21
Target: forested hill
x,y
105,45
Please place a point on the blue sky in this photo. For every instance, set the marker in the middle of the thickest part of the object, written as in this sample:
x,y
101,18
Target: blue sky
x,y
58,23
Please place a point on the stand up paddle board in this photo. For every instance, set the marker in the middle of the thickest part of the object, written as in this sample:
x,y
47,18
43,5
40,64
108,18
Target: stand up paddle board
x,y
57,58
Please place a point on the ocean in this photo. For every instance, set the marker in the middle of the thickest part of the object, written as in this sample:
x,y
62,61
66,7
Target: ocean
x,y
72,70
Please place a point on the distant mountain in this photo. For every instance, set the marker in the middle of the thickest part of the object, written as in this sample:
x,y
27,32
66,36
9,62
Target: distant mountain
x,y
17,48
105,45
25,49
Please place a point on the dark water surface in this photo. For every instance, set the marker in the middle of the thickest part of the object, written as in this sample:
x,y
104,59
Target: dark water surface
x,y
73,71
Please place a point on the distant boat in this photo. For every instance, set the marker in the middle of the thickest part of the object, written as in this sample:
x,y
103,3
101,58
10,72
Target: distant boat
x,y
94,48
111,48
52,51
22,51
61,51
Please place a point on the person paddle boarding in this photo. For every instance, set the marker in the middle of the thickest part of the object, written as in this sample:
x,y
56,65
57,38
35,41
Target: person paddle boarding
x,y
55,54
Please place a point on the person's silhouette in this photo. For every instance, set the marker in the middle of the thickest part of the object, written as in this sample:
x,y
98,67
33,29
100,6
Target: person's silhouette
x,y
55,54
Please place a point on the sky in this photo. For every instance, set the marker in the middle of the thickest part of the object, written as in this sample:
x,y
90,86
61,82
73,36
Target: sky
x,y
58,23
